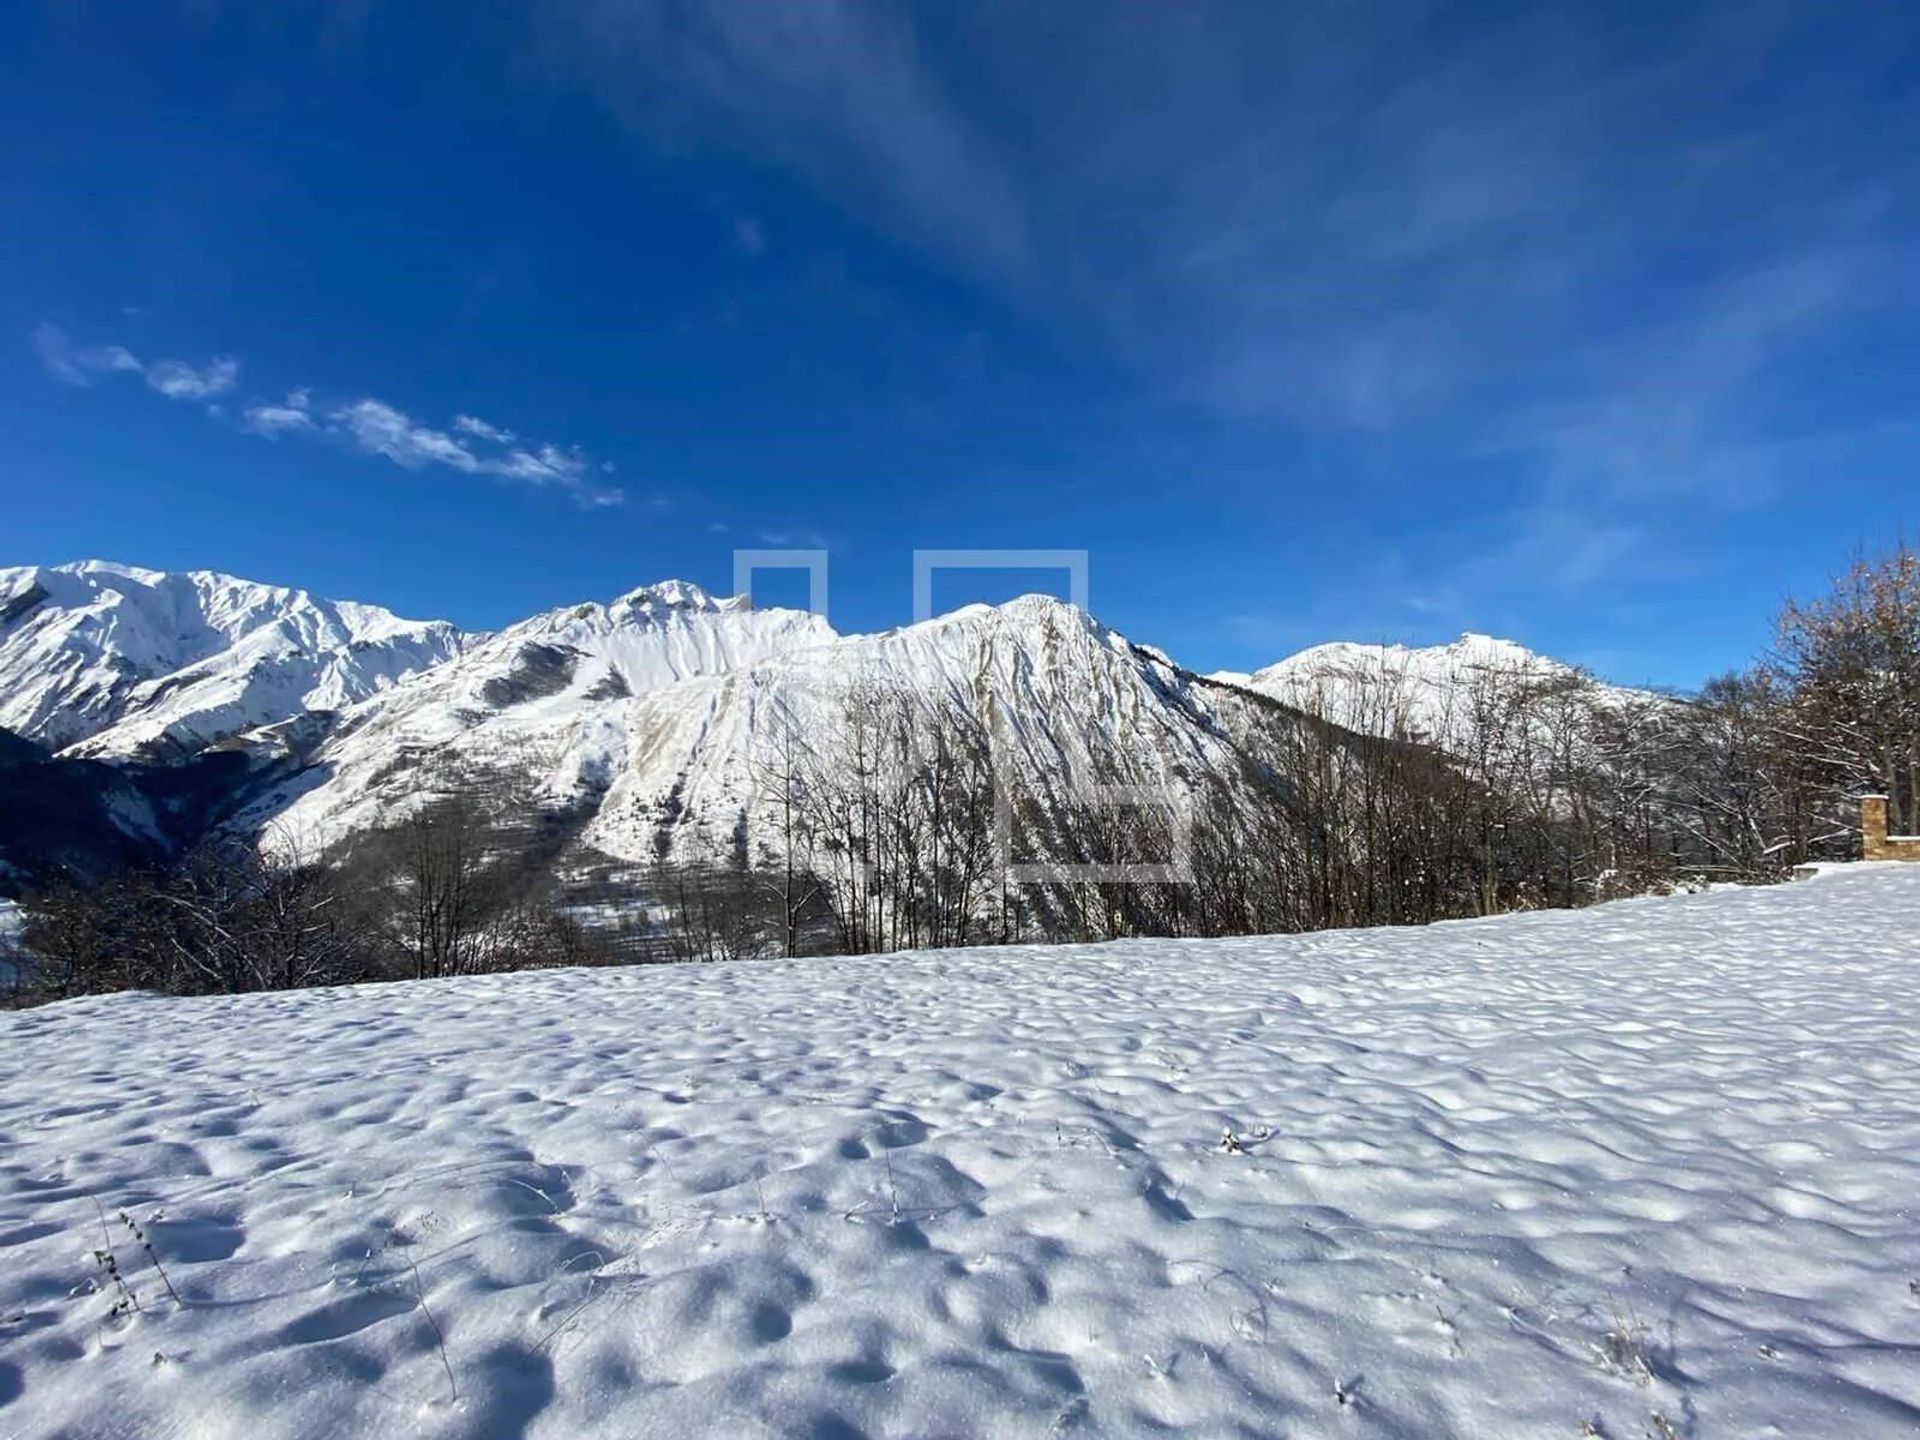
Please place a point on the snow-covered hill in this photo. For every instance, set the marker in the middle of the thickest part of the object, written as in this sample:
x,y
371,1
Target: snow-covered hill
x,y
1444,694
115,662
1070,703
546,706
657,720
1639,1171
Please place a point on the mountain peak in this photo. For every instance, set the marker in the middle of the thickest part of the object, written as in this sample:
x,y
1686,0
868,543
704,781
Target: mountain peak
x,y
122,660
1471,649
1034,607
674,595
113,568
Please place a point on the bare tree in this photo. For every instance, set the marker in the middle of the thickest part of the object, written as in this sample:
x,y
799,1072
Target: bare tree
x,y
781,772
1848,669
439,853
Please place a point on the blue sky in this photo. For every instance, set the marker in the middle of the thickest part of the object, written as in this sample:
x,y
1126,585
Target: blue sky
x,y
1594,326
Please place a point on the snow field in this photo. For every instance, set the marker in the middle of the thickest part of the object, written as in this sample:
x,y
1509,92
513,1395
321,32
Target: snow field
x,y
1649,1168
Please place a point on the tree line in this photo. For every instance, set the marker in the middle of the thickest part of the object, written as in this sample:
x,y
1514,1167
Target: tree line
x,y
447,891
1370,799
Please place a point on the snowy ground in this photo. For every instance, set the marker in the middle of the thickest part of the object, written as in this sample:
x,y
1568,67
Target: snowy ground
x,y
1652,1168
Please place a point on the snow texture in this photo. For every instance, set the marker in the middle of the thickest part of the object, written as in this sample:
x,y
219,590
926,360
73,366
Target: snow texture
x,y
1644,1170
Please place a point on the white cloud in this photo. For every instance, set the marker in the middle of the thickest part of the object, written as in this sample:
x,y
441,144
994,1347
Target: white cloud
x,y
74,365
178,380
379,429
371,426
473,425
273,421
547,465
792,539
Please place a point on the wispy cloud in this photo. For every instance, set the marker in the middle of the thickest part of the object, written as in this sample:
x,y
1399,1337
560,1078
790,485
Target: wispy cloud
x,y
176,379
1374,228
379,429
544,465
271,421
1665,410
1664,425
842,92
803,539
1435,233
748,237
475,426
471,446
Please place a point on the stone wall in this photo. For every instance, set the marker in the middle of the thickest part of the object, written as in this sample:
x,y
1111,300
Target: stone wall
x,y
1875,843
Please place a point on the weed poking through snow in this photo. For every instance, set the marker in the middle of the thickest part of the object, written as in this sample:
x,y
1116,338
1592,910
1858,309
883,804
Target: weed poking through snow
x,y
439,1336
127,1300
140,1238
1623,1348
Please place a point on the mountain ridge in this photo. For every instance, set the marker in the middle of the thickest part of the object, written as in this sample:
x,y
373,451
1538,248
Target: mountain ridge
x,y
112,661
650,722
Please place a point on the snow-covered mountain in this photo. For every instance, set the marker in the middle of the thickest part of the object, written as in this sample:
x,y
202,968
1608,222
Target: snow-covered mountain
x,y
1069,705
1446,695
650,723
546,707
114,662
655,719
